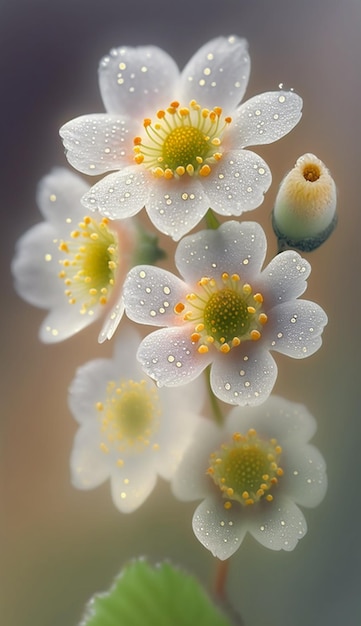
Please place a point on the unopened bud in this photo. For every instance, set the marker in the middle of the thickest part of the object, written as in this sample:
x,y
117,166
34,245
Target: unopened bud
x,y
304,214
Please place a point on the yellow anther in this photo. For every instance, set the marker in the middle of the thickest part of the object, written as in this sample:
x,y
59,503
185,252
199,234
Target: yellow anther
x,y
63,247
94,236
228,120
216,141
252,432
260,492
112,265
199,159
93,291
218,111
179,307
184,111
235,342
229,492
120,462
199,328
255,335
205,112
217,156
174,104
258,298
168,174
104,447
227,505
249,502
269,498
74,234
225,348
279,471
262,318
180,170
245,495
158,172
139,158
225,276
137,141
205,170
247,289
210,339
235,277
237,437
190,169
251,309
195,337
202,349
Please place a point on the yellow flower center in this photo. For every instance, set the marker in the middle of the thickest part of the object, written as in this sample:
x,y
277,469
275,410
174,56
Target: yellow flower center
x,y
90,264
223,315
183,140
246,469
129,416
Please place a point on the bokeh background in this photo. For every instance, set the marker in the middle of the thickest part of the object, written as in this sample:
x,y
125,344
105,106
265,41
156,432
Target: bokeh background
x,y
59,546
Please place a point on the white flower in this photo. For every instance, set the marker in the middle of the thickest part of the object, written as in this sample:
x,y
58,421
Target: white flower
x,y
130,431
176,140
72,264
251,474
227,311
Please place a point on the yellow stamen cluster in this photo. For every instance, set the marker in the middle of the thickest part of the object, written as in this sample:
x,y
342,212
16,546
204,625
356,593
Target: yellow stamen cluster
x,y
246,469
90,264
129,417
224,315
182,140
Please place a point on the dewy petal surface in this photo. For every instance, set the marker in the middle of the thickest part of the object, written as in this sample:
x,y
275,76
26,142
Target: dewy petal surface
x,y
137,81
130,495
266,118
234,247
280,526
238,183
305,479
220,530
99,143
176,206
284,278
168,356
58,197
150,295
218,73
118,195
245,377
294,328
64,321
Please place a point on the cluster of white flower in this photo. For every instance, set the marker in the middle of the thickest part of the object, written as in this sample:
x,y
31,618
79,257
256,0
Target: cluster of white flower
x,y
177,143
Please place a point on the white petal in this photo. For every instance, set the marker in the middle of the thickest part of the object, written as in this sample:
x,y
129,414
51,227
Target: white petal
x,y
89,465
284,278
112,321
88,387
58,197
294,328
150,294
220,530
246,375
236,248
35,267
218,73
169,356
279,525
304,480
266,118
238,183
137,81
65,320
191,482
176,206
118,195
288,422
132,485
99,143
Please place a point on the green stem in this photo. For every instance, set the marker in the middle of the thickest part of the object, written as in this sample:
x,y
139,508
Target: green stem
x,y
211,220
217,413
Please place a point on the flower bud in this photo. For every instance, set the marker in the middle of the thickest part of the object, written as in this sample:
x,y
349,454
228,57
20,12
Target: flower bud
x,y
304,214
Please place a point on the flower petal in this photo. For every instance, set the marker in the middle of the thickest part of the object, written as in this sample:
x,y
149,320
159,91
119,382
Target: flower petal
x,y
118,195
112,321
176,206
58,197
169,356
284,278
64,321
89,387
238,183
150,294
88,465
304,480
294,328
279,525
220,530
245,377
99,143
137,81
236,248
266,118
218,73
131,486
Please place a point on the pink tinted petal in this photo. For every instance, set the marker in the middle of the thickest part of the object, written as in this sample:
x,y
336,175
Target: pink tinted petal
x,y
217,75
246,375
284,277
235,247
238,183
220,530
89,465
169,356
279,525
58,197
118,195
304,479
176,206
137,81
294,328
99,143
266,118
150,294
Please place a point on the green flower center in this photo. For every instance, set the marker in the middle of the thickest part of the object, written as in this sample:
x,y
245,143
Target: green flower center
x,y
182,140
224,315
129,415
90,264
246,469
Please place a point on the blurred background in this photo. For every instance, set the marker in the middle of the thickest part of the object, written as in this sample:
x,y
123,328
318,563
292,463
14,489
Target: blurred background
x,y
59,546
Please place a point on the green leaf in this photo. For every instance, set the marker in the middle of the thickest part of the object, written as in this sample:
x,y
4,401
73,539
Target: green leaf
x,y
143,595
